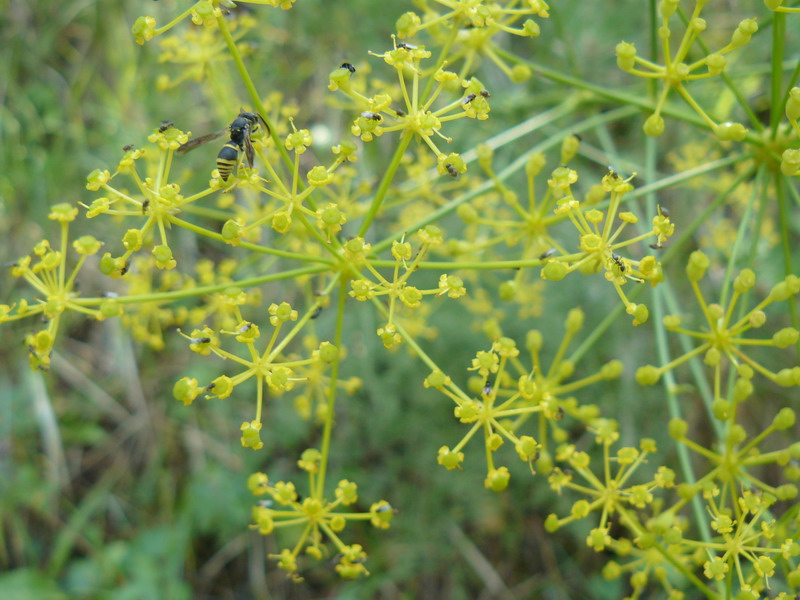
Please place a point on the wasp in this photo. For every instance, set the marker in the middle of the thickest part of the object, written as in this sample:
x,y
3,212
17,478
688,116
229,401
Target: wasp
x,y
239,131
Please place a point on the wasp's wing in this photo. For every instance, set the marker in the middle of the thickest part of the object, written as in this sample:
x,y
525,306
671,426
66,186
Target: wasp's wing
x,y
248,149
197,142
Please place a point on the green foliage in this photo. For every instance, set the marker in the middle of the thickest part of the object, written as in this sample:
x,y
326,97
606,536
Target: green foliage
x,y
372,348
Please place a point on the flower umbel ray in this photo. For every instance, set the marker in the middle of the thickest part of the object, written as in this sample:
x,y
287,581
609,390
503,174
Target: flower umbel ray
x,y
723,337
600,239
507,401
55,286
322,519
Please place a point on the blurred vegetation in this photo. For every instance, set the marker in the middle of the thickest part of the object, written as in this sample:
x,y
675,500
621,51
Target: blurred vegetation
x,y
109,489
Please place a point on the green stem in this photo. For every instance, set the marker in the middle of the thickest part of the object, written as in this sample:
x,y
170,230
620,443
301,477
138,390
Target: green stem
x,y
516,165
620,97
688,231
662,348
677,178
776,79
743,104
388,176
326,432
255,98
206,289
249,246
602,327
744,224
783,220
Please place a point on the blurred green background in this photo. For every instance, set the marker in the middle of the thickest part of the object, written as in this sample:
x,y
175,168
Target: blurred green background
x,y
111,489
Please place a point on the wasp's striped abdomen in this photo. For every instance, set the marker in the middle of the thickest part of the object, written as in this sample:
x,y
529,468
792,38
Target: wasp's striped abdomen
x,y
227,159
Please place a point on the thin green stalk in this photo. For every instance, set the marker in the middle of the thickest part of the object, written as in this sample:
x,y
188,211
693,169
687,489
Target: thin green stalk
x,y
688,231
664,357
783,220
653,24
683,176
383,188
744,225
695,364
255,98
474,265
516,165
329,417
249,246
776,78
206,289
740,99
602,327
407,337
619,97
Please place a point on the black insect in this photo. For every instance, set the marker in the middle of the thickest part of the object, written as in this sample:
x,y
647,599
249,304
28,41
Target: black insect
x,y
451,170
373,116
485,93
348,66
618,261
127,147
547,254
468,98
240,130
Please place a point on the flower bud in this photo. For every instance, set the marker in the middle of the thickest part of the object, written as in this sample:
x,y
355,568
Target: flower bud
x,y
698,264
626,54
554,271
678,428
730,131
647,375
497,479
653,126
784,419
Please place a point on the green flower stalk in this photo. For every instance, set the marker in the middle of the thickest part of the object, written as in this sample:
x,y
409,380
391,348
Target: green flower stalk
x,y
511,393
723,338
267,366
675,73
398,289
56,287
322,519
600,240
478,23
418,119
